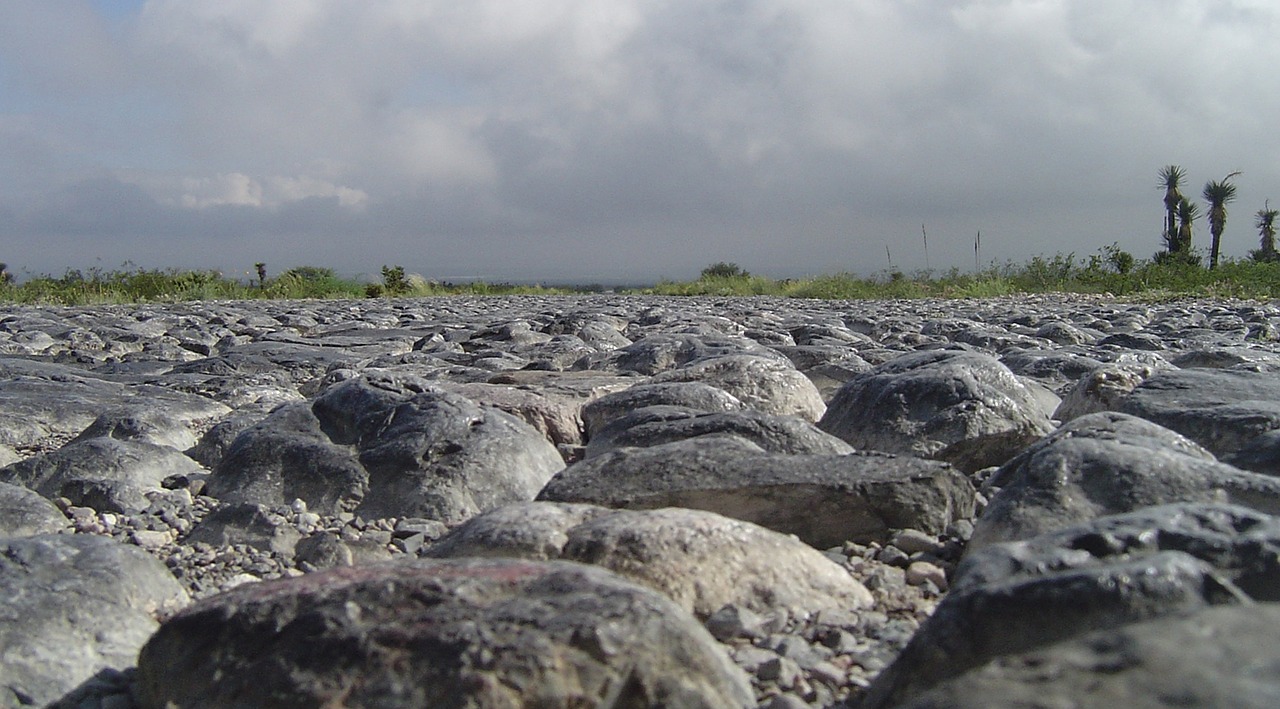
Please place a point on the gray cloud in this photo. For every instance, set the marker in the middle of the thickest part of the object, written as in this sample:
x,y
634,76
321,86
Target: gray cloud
x,y
574,139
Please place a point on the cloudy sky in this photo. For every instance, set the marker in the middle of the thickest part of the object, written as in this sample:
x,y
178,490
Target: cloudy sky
x,y
621,140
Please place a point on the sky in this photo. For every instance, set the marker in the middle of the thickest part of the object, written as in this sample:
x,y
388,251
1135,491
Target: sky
x,y
622,140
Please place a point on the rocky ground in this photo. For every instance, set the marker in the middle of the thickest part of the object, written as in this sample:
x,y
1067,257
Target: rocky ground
x,y
639,501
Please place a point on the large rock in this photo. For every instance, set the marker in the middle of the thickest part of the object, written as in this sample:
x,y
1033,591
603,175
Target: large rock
x,y
57,403
555,417
388,446
286,457
468,632
24,513
657,353
1219,409
1106,573
823,499
693,395
776,434
962,407
107,474
74,606
1110,463
767,384
1241,544
1101,389
701,560
1219,657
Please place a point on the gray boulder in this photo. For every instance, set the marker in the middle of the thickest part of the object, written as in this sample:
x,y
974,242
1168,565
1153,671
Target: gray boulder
x,y
822,499
1109,463
701,560
75,606
24,513
767,384
692,395
107,474
387,446
1218,657
556,417
1242,545
660,352
145,425
63,401
467,632
776,434
285,457
1260,454
1104,574
1220,409
962,407
1102,389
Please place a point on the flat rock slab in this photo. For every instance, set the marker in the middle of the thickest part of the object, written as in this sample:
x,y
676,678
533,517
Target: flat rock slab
x,y
1219,657
701,560
73,607
468,632
35,410
823,499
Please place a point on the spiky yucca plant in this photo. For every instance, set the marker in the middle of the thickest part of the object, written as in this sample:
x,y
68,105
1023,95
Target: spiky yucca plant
x,y
1218,193
1171,177
1266,223
1188,212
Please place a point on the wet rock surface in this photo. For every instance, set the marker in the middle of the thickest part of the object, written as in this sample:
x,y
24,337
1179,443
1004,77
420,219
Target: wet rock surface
x,y
801,498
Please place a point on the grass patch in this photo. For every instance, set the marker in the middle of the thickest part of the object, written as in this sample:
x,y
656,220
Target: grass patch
x,y
1110,271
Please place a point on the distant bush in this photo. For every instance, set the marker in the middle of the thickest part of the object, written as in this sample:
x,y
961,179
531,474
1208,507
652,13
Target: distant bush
x,y
723,270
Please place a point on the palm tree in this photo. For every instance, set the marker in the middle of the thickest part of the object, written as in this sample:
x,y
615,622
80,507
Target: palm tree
x,y
1218,193
1188,212
1171,177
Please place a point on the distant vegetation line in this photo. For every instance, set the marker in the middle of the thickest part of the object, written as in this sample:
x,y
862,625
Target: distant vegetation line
x,y
1108,271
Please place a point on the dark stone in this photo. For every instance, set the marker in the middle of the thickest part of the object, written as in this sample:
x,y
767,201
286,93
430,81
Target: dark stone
x,y
465,632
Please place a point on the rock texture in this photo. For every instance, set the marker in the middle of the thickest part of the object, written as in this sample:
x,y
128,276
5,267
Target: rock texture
x,y
701,560
485,633
815,504
962,407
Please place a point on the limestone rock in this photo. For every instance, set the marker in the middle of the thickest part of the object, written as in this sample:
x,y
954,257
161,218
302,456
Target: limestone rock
x,y
765,384
1219,657
468,632
107,474
776,434
1109,463
1221,409
74,606
962,407
701,560
24,513
823,499
693,395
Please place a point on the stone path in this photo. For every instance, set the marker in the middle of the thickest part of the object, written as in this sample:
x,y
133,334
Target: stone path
x,y
639,501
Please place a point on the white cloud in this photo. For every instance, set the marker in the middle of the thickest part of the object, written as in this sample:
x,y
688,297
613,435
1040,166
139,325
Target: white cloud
x,y
238,189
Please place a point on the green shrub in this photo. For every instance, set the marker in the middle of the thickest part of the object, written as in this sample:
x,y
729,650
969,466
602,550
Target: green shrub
x,y
723,270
